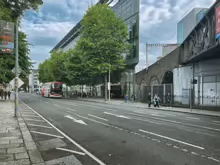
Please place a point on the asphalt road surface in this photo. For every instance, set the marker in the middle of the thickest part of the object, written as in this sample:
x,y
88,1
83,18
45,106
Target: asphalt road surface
x,y
97,133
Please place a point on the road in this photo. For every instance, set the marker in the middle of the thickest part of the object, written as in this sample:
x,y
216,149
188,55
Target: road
x,y
97,133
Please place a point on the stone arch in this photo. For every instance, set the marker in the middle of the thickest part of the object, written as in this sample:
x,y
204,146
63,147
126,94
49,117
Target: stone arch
x,y
154,80
167,78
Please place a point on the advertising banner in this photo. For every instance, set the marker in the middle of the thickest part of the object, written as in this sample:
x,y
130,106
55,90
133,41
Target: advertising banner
x,y
6,37
217,14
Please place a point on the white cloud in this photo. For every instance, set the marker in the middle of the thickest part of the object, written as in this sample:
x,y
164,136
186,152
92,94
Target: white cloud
x,y
158,23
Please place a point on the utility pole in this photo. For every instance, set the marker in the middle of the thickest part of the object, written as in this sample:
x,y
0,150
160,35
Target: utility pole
x,y
16,71
109,84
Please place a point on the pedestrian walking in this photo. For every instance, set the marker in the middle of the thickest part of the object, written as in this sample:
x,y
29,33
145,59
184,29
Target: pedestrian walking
x,y
168,100
5,94
156,100
126,98
149,100
9,95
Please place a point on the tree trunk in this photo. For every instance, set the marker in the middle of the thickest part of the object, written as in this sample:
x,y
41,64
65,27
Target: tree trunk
x,y
106,88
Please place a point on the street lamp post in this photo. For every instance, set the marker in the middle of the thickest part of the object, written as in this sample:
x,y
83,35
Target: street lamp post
x,y
16,71
109,84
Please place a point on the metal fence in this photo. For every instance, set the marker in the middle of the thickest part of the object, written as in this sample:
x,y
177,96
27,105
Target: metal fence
x,y
160,90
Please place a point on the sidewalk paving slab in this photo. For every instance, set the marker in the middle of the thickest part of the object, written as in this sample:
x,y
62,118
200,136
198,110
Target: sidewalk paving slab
x,y
16,143
145,106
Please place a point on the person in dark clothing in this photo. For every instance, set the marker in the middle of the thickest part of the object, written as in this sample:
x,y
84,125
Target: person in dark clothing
x,y
9,95
5,94
168,99
149,100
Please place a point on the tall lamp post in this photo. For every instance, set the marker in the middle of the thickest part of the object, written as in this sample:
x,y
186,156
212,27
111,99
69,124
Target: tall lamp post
x,y
109,83
16,71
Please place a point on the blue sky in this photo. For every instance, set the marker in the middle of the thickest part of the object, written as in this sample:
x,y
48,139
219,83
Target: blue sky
x,y
158,24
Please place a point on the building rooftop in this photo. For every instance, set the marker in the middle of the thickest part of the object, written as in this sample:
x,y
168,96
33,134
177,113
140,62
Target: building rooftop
x,y
74,32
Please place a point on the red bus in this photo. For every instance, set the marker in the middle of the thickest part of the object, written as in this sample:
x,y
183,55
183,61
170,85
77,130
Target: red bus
x,y
52,89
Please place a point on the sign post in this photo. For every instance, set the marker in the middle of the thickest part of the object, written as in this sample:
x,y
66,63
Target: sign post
x,y
6,37
16,71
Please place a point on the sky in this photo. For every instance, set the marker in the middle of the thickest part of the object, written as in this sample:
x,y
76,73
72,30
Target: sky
x,y
55,18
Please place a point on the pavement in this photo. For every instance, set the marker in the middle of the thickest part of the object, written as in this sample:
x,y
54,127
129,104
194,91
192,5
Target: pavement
x,y
95,133
144,105
16,144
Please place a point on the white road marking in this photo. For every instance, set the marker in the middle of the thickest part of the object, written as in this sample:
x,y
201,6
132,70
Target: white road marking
x,y
35,125
216,121
30,116
168,138
121,116
47,134
194,153
98,117
211,158
176,147
35,120
75,120
89,105
146,121
157,115
185,150
56,105
203,156
72,151
71,109
71,140
46,102
177,122
194,118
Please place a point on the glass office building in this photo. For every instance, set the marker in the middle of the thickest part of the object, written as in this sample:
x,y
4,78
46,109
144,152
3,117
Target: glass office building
x,y
187,24
128,10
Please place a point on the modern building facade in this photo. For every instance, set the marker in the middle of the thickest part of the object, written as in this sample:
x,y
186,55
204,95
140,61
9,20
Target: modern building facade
x,y
187,24
33,80
128,10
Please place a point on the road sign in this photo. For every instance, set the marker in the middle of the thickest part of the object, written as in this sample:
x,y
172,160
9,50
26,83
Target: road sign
x,y
20,83
6,36
19,70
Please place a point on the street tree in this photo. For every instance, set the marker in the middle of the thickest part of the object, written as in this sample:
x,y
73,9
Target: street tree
x,y
17,7
57,66
45,71
7,61
78,68
103,40
10,10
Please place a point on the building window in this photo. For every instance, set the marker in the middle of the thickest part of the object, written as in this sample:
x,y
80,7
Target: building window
x,y
209,79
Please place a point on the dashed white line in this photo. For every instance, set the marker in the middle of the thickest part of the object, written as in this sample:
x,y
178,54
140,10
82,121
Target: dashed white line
x,y
216,121
98,117
168,144
194,153
157,115
194,118
47,134
168,138
211,158
30,116
71,109
176,147
72,151
56,105
35,125
203,156
35,120
185,150
71,140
